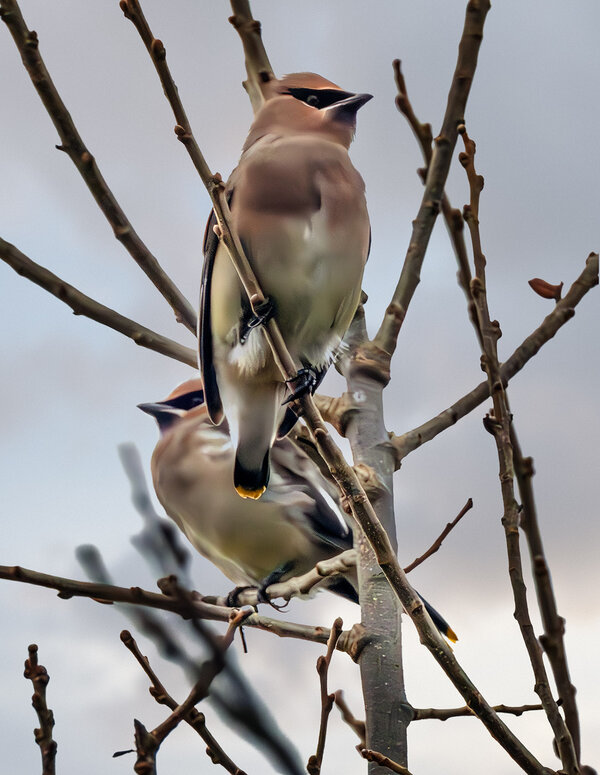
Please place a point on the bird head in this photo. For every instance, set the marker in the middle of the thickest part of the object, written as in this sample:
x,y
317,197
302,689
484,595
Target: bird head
x,y
186,400
304,103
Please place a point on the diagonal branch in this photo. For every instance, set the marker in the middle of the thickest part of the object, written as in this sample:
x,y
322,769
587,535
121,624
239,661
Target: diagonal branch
x,y
85,305
71,142
563,312
439,540
436,175
194,718
258,67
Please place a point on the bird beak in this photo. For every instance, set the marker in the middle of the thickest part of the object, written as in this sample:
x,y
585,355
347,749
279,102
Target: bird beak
x,y
346,109
154,409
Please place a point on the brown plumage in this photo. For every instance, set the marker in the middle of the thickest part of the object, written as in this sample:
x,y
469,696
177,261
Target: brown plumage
x,y
299,208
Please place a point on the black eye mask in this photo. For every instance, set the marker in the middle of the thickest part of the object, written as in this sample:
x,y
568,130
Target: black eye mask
x,y
319,98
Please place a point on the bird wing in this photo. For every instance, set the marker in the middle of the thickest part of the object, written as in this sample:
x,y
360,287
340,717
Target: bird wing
x,y
295,477
207,366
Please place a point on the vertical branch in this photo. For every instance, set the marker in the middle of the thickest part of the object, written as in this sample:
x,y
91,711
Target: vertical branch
x,y
314,763
437,173
39,677
554,625
498,424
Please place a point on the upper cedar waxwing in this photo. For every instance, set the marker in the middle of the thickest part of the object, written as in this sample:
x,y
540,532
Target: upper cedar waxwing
x,y
294,526
299,208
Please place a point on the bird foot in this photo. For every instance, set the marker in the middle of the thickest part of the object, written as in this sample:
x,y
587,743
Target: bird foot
x,y
305,381
262,313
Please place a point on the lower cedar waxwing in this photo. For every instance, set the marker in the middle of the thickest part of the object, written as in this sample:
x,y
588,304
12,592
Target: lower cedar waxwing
x,y
294,526
299,208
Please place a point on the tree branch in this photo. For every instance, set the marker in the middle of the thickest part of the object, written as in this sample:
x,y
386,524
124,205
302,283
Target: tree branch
x,y
27,42
452,216
498,424
443,714
314,763
39,677
563,312
436,175
258,67
194,718
90,308
355,724
200,607
439,540
384,761
554,625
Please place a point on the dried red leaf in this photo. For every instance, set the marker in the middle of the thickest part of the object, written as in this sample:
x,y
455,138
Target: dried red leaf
x,y
546,290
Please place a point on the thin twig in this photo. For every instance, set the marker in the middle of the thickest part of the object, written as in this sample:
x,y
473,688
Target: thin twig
x,y
498,424
72,144
90,308
554,625
563,312
452,216
315,761
383,761
350,719
39,677
438,169
148,743
295,586
194,718
443,714
258,67
439,540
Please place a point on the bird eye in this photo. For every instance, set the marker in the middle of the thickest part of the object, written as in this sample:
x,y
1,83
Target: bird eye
x,y
312,100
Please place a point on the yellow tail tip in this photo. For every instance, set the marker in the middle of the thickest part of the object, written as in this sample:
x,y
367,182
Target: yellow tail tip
x,y
451,635
245,493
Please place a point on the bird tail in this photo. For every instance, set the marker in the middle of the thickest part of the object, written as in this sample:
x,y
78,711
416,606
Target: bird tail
x,y
439,621
258,417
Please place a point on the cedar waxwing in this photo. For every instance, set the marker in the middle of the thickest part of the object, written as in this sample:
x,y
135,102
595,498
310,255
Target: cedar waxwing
x,y
295,525
299,208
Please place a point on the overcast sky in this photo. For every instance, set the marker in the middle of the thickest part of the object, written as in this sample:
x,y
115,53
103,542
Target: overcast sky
x,y
70,387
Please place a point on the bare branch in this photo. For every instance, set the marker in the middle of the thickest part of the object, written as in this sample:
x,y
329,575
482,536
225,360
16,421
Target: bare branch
x,y
336,411
71,142
452,216
350,719
323,662
383,761
90,308
297,585
443,714
436,176
563,312
438,542
258,67
39,677
554,625
200,607
194,718
498,424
